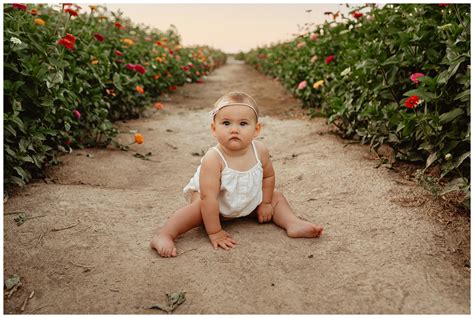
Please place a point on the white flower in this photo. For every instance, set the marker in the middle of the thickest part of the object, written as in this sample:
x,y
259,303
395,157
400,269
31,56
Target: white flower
x,y
15,40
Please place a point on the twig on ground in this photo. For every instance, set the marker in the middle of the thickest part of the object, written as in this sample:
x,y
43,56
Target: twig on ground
x,y
40,238
26,300
193,249
30,312
65,228
11,213
80,265
168,144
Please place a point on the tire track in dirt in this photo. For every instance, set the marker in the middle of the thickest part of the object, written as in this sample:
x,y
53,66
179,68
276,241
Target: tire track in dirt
x,y
377,255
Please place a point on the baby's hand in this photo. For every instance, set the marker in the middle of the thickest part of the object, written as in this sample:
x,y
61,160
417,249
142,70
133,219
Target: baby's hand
x,y
222,239
264,212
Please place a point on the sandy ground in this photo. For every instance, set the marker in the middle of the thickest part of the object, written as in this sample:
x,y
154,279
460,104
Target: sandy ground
x,y
387,248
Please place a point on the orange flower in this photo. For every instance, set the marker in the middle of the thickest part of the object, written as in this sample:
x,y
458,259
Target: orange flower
x,y
139,89
139,138
94,62
93,8
159,106
157,76
34,12
39,22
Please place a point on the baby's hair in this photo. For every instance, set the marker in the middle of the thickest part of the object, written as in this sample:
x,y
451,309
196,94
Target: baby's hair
x,y
235,98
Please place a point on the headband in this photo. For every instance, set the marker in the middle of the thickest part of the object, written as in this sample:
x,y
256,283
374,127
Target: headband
x,y
224,102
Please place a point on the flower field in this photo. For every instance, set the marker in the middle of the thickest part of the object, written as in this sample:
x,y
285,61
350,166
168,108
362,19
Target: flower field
x,y
69,75
397,75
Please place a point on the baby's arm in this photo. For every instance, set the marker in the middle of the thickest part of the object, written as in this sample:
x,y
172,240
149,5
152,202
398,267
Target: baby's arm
x,y
209,184
265,209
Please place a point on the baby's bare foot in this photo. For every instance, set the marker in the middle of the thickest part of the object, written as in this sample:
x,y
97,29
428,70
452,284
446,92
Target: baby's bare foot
x,y
164,245
301,228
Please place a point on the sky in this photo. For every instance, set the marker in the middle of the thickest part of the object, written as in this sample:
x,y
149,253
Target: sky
x,y
228,27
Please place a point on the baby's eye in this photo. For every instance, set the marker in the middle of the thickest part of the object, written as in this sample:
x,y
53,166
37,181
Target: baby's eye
x,y
243,123
226,123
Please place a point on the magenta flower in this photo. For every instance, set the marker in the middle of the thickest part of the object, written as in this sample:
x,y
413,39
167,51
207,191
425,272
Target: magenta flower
x,y
140,69
131,67
76,113
329,59
414,77
19,6
118,53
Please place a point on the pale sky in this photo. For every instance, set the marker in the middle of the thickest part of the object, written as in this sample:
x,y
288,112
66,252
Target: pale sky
x,y
228,27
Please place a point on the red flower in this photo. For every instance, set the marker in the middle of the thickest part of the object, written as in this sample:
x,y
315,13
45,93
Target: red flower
x,y
76,113
185,68
357,14
172,88
171,51
329,59
19,6
131,67
118,53
412,101
118,61
140,69
69,41
71,12
118,25
200,81
99,37
158,43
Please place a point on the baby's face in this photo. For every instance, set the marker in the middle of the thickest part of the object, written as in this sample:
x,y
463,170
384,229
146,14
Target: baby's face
x,y
235,127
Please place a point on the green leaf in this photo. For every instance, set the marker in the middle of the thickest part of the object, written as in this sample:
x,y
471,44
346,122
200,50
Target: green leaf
x,y
116,80
463,157
427,96
432,158
464,96
450,116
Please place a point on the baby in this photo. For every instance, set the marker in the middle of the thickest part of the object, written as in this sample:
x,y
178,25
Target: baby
x,y
235,179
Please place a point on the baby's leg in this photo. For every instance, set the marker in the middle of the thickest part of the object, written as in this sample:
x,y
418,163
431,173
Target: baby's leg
x,y
180,222
284,217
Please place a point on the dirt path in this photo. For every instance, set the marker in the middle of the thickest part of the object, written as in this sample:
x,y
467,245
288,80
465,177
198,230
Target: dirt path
x,y
387,247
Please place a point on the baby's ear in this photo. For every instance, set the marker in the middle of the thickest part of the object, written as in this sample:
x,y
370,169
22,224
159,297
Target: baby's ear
x,y
213,128
258,128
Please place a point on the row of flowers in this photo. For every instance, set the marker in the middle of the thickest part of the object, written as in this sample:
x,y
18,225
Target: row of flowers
x,y
397,75
69,75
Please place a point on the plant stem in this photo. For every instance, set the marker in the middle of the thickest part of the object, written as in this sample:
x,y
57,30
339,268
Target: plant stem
x,y
390,87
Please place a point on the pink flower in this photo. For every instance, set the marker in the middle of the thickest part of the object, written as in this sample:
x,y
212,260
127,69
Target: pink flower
x,y
414,77
313,36
119,61
329,59
301,45
302,85
130,67
118,53
140,69
76,113
99,37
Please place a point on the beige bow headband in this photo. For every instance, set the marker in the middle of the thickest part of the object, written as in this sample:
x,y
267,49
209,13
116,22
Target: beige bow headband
x,y
224,102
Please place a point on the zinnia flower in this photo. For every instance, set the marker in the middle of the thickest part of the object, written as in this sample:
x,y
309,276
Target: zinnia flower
x,y
414,77
131,67
313,59
19,6
118,53
139,138
94,62
71,12
300,45
172,88
313,36
329,59
140,69
127,41
159,106
39,22
99,37
357,14
170,51
34,12
118,25
318,84
302,85
412,101
93,8
69,41
139,89
76,113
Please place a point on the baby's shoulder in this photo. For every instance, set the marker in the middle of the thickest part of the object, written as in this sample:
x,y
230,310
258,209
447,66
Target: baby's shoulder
x,y
211,158
262,150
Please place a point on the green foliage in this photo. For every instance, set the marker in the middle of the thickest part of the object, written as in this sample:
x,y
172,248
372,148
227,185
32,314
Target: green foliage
x,y
366,86
56,98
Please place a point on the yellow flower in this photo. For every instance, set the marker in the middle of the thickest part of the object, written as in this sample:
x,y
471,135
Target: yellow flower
x,y
139,138
93,8
128,41
39,22
94,62
158,59
318,84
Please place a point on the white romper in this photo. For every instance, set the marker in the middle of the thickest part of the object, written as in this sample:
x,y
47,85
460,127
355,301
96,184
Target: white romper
x,y
240,192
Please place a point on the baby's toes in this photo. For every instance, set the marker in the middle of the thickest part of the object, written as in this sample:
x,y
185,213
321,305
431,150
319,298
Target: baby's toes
x,y
173,252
